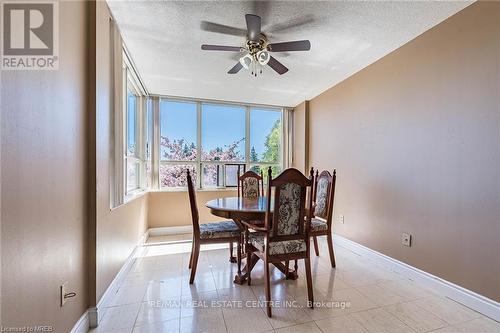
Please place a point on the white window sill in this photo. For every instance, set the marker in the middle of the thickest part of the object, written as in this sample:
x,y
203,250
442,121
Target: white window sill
x,y
134,195
197,190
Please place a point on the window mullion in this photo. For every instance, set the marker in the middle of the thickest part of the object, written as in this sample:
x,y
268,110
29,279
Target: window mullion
x,y
247,136
156,150
199,167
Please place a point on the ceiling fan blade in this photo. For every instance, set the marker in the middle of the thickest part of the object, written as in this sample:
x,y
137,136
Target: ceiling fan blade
x,y
254,24
236,68
299,45
277,66
222,29
261,8
221,48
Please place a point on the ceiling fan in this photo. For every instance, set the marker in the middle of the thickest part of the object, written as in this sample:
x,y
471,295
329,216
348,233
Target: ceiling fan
x,y
257,49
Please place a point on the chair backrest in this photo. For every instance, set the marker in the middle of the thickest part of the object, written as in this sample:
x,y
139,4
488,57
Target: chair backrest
x,y
192,202
250,185
324,193
290,192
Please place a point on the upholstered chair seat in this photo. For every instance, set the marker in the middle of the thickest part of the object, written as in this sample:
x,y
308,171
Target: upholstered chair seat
x,y
318,224
281,247
222,229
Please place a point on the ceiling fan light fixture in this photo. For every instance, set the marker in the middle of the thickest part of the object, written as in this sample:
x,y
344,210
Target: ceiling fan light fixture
x,y
263,57
246,61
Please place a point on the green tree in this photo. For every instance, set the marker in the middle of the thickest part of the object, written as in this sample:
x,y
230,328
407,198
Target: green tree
x,y
272,147
253,155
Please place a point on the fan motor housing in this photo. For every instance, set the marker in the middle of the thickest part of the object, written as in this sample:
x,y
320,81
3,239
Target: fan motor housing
x,y
255,47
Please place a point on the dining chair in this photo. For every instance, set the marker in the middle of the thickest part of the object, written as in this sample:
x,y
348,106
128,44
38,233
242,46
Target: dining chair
x,y
250,185
321,222
284,236
209,233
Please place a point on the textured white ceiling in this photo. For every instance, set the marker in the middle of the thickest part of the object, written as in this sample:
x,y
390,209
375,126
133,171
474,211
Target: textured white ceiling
x,y
164,39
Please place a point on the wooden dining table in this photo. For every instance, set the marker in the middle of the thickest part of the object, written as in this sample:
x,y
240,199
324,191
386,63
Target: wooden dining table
x,y
253,212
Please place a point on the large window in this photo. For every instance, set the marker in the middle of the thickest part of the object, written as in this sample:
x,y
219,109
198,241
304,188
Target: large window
x,y
178,142
217,142
265,141
158,139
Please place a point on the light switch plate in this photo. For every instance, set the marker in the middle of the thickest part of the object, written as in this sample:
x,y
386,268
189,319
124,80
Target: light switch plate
x,y
63,290
406,239
341,219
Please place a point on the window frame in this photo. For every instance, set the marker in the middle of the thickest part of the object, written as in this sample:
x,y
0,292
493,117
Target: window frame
x,y
199,163
132,83
136,157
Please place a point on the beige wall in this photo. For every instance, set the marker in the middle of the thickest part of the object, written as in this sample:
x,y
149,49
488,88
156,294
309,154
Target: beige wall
x,y
301,136
415,139
119,230
169,209
44,194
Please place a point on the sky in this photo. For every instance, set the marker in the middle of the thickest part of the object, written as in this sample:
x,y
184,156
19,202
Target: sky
x,y
221,124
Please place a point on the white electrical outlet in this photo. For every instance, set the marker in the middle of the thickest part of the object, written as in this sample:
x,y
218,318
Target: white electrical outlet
x,y
64,291
406,239
341,219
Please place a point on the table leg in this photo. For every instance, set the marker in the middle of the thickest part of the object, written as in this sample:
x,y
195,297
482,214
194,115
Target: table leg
x,y
242,277
238,253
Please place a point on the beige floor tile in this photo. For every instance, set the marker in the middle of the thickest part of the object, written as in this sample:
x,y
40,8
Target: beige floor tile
x,y
246,320
340,303
414,316
203,282
118,330
407,289
199,303
344,324
358,278
309,327
279,290
237,293
347,298
379,320
288,313
170,326
158,311
448,329
328,283
317,267
119,318
210,320
127,295
223,279
480,325
144,265
163,289
447,310
380,295
147,276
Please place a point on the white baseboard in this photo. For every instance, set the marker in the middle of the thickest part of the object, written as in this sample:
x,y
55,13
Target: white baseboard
x,y
473,300
82,325
93,317
164,231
